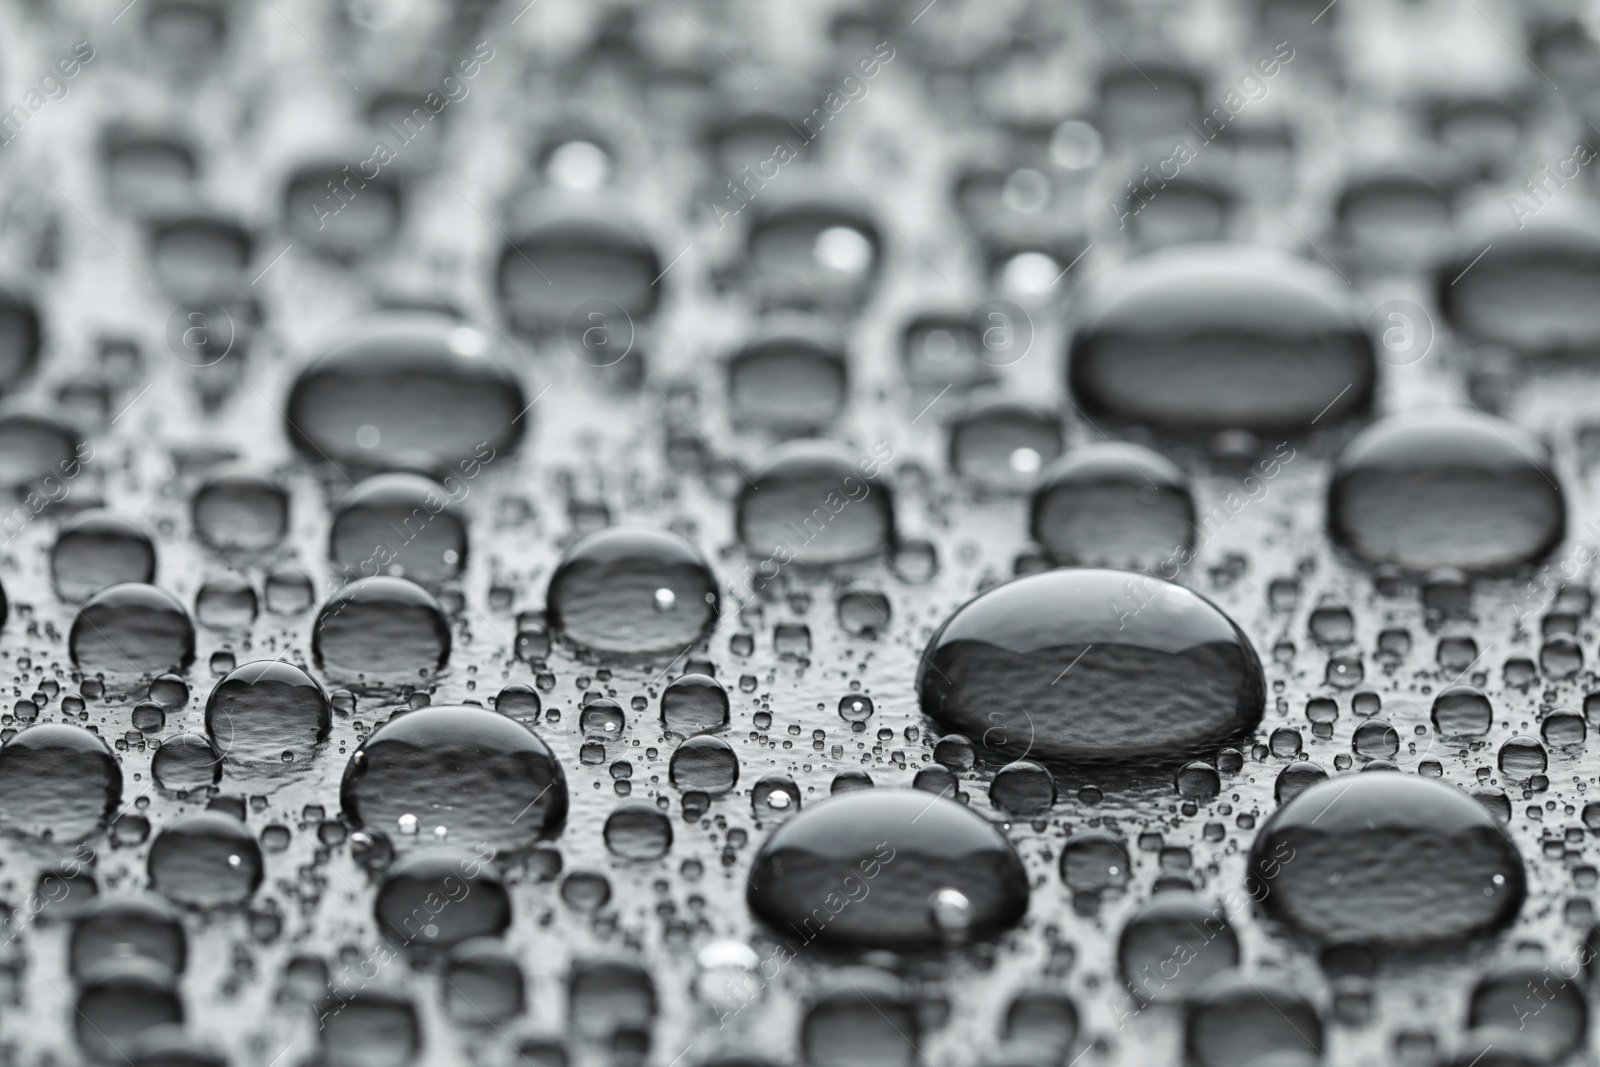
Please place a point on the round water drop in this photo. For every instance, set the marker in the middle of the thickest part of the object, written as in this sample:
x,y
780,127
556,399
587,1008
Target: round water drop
x,y
1394,858
20,336
479,774
1234,1019
119,1001
694,704
227,602
261,710
199,256
132,629
814,502
381,628
238,508
339,213
605,594
35,447
483,982
775,796
1523,757
1173,944
1220,337
426,398
1114,504
555,264
439,897
1296,778
1462,711
607,996
186,761
812,254
789,383
58,780
1088,664
1003,442
637,830
885,848
860,1017
602,718
399,524
707,764
142,926
368,1026
1542,1004
206,859
1446,489
96,550
1023,788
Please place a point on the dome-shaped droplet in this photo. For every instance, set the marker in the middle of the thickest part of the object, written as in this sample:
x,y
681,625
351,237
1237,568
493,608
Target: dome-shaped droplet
x,y
226,602
111,928
1540,1003
860,1017
1004,442
1091,664
340,213
1113,504
238,508
789,383
1023,788
132,629
886,851
552,267
96,550
632,589
58,780
40,451
440,896
186,761
1172,944
694,704
483,982
1235,1019
481,776
706,763
368,1026
206,859
261,710
1394,858
407,389
1446,489
121,1000
814,502
1221,337
381,628
1462,711
400,524
637,830
811,253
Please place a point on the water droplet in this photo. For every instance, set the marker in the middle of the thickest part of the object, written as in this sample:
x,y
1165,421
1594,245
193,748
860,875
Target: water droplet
x,y
206,859
381,627
604,593
441,896
403,525
1114,504
637,830
1171,945
814,503
132,629
96,550
694,704
706,763
186,761
263,709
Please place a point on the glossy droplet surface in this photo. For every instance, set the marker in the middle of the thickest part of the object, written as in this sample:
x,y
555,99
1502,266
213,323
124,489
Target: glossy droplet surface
x,y
606,594
790,383
708,764
1091,664
59,780
145,926
480,775
237,508
560,264
400,524
205,859
694,704
1004,442
406,389
1236,1019
381,628
120,1001
132,629
99,549
439,897
261,710
636,830
1446,489
186,761
1171,945
1114,504
814,502
1394,858
1219,337
886,852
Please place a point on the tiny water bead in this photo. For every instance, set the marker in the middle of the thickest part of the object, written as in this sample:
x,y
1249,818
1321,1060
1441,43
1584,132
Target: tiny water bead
x,y
1446,489
854,707
606,593
1392,858
261,710
440,896
381,628
407,390
861,870
1089,664
637,830
1219,337
814,502
694,704
206,859
132,629
1114,504
400,524
238,508
775,796
58,780
476,773
96,550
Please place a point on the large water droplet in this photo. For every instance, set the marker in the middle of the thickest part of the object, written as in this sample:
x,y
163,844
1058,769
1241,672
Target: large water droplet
x,y
1171,945
1089,664
381,628
237,508
400,524
605,594
861,869
813,502
261,710
439,897
551,267
58,780
132,629
789,383
1114,504
1446,489
206,859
